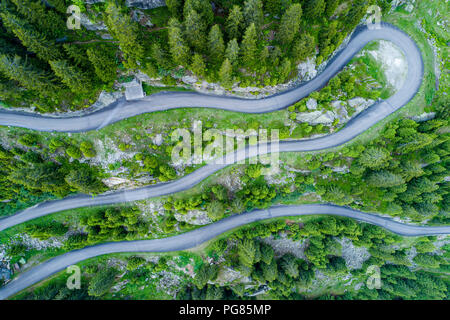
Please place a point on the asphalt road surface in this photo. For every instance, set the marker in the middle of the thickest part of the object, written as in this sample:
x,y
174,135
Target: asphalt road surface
x,y
196,237
169,100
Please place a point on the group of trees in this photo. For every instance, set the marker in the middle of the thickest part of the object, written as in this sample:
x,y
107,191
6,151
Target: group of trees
x,y
217,200
289,277
401,173
284,276
114,224
399,282
252,258
30,172
257,42
246,39
94,285
37,57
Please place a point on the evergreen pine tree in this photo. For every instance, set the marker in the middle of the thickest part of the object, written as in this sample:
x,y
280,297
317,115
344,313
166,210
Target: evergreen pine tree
x,y
232,51
263,59
198,66
314,9
195,30
175,7
178,47
303,47
202,7
234,21
59,5
249,48
159,55
284,69
216,45
103,62
331,7
77,54
125,30
290,23
35,12
273,7
226,74
253,13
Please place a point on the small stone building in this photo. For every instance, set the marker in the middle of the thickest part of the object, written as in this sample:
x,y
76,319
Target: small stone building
x,y
133,90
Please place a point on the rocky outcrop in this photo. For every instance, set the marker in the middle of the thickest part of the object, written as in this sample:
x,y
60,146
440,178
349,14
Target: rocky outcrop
x,y
145,4
91,26
194,217
311,104
316,117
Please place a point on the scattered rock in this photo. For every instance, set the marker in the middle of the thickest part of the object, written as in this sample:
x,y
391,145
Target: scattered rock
x,y
189,79
89,25
228,275
311,104
141,18
392,61
106,36
133,90
158,139
354,256
114,181
307,69
194,217
360,104
317,117
285,245
424,116
5,274
145,4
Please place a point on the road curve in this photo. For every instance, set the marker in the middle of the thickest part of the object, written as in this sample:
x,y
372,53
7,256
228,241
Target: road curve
x,y
196,237
170,100
164,101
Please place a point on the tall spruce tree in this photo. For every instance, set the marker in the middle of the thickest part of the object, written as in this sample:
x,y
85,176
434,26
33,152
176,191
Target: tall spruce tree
x,y
253,13
175,7
103,61
226,74
234,22
314,9
202,7
46,20
216,45
331,7
178,47
195,30
198,66
126,31
232,51
304,47
290,24
249,47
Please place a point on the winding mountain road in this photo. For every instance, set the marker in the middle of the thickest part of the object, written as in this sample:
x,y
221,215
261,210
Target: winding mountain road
x,y
170,100
196,237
